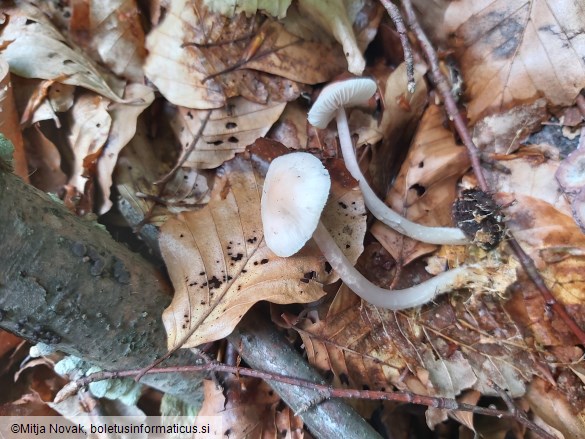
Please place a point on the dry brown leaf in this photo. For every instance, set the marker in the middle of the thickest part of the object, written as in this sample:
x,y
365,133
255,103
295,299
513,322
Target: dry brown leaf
x,y
250,408
425,187
402,112
90,126
550,405
115,33
570,177
276,8
44,160
220,266
227,132
517,51
503,133
197,59
123,127
38,50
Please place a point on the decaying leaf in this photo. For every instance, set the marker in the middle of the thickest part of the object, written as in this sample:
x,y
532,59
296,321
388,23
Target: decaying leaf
x,y
198,59
34,48
123,127
250,408
220,265
113,30
90,126
227,132
517,51
425,187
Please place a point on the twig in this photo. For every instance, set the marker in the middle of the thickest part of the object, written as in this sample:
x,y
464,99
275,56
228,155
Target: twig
x,y
519,414
445,91
460,125
187,152
396,17
327,391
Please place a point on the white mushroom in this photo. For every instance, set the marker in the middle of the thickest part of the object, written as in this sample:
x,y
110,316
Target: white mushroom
x,y
294,194
331,103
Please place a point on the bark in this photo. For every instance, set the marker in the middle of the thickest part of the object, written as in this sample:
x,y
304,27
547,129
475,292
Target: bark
x,y
265,349
65,282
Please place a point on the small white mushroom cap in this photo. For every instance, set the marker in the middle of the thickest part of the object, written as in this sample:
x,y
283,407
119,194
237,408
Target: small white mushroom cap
x,y
294,194
348,93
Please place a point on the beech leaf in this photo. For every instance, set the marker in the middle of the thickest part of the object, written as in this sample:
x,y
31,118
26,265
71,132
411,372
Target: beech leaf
x,y
517,51
36,49
220,266
228,131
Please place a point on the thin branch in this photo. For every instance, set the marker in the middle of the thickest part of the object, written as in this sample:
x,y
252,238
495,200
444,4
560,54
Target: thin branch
x,y
460,125
445,91
327,391
396,17
187,152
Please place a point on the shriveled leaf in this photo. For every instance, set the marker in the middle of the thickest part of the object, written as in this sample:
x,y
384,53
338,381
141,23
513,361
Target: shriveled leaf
x,y
503,133
90,126
123,128
228,131
115,32
250,408
517,51
333,16
220,265
425,187
34,48
550,405
45,160
198,59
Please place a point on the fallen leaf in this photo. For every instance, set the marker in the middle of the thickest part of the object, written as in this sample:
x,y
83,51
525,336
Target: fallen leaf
x,y
39,50
333,16
44,160
90,127
122,130
248,407
198,59
227,132
220,266
425,188
515,52
115,33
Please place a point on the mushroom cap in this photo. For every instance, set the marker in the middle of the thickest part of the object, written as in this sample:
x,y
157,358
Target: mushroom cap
x,y
348,93
294,194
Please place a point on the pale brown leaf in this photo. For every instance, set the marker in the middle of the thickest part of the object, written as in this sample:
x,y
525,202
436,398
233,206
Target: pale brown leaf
x,y
228,131
517,51
117,36
248,407
90,126
38,50
425,187
198,59
123,128
220,266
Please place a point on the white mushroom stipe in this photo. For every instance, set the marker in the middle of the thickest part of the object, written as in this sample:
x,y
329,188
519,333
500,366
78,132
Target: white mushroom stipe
x,y
331,103
294,194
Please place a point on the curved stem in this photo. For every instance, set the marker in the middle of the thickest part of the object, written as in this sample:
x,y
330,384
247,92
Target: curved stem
x,y
390,299
431,235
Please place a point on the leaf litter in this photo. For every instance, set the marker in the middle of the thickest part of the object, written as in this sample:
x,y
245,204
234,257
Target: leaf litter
x,y
250,71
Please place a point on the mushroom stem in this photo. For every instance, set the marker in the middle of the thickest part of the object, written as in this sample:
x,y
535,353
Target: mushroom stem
x,y
431,235
390,299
